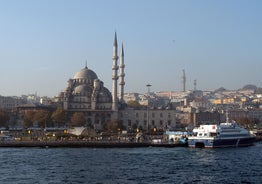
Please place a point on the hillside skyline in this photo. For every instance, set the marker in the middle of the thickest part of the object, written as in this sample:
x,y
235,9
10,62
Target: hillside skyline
x,y
258,90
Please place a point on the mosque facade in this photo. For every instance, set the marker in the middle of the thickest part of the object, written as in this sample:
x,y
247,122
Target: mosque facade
x,y
86,93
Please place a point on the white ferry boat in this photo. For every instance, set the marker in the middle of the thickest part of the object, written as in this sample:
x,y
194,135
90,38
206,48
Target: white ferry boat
x,y
223,135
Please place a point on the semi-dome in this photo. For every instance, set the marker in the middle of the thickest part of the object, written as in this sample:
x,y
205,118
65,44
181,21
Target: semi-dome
x,y
85,73
83,89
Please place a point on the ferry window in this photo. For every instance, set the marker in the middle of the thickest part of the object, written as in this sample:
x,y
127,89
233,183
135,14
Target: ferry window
x,y
213,134
200,134
205,134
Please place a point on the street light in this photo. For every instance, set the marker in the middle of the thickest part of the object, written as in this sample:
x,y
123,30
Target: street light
x,y
147,109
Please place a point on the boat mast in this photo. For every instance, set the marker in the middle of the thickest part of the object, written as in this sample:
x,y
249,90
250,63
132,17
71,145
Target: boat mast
x,y
227,118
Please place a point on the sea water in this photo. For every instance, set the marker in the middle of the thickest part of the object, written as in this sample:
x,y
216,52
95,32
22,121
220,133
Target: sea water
x,y
131,165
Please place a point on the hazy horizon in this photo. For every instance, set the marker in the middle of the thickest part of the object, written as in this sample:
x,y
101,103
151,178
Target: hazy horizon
x,y
44,43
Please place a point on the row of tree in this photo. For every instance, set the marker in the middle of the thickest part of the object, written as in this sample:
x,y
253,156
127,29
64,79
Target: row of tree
x,y
248,122
59,117
4,118
43,118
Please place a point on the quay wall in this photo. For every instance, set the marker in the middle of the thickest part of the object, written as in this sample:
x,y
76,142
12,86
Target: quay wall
x,y
80,144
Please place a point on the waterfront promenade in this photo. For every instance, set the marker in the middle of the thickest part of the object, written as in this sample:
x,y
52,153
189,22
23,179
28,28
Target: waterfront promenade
x,y
87,144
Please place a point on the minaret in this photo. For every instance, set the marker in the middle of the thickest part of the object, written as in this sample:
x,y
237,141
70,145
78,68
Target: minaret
x,y
114,76
121,75
183,81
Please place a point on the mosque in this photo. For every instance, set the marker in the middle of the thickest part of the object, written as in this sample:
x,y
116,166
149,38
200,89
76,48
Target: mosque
x,y
86,93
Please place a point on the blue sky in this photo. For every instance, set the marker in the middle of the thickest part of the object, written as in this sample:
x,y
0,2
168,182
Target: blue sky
x,y
44,43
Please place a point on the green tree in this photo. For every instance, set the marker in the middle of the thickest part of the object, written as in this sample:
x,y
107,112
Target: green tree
x,y
78,119
4,118
59,116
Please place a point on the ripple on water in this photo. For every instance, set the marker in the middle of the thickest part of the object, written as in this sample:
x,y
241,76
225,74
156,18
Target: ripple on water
x,y
136,165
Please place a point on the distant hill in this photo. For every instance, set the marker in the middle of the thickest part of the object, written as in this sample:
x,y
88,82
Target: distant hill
x,y
257,90
249,87
221,89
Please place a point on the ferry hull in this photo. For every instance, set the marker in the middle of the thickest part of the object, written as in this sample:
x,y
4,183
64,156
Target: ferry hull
x,y
219,143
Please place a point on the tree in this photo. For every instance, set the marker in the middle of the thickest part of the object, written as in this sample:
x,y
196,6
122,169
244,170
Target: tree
x,y
29,118
4,118
114,126
242,121
78,119
247,122
42,117
59,116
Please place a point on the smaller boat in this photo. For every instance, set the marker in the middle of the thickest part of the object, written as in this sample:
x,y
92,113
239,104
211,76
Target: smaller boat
x,y
177,136
223,135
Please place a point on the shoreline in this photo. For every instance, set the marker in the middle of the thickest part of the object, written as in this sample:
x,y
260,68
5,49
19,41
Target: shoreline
x,y
83,144
88,144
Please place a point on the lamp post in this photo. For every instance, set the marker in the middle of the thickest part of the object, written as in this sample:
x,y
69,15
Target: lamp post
x,y
147,109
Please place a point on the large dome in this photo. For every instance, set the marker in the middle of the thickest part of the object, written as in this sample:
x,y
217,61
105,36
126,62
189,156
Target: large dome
x,y
85,73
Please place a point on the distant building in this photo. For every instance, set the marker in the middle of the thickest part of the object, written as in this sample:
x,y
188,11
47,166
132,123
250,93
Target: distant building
x,y
131,97
200,103
10,103
157,118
